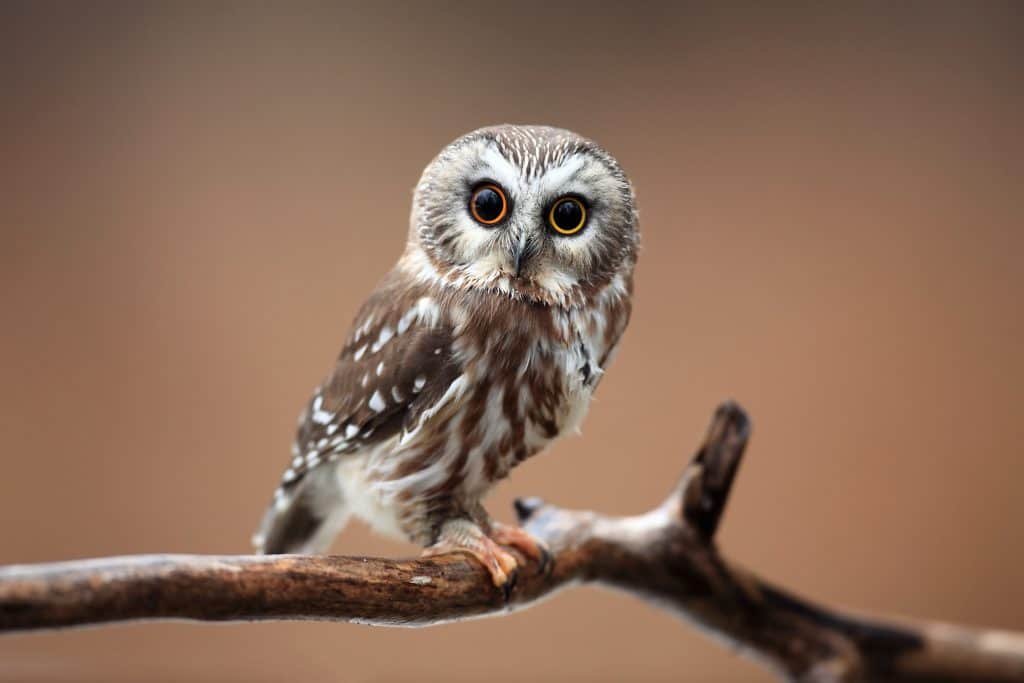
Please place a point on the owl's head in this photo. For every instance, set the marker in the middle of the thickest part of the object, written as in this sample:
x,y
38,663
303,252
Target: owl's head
x,y
528,211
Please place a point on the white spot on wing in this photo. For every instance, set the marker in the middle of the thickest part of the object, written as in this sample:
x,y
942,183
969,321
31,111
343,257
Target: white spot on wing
x,y
321,416
377,402
427,311
385,335
454,389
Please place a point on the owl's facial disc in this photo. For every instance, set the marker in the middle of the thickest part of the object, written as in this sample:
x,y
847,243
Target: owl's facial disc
x,y
532,212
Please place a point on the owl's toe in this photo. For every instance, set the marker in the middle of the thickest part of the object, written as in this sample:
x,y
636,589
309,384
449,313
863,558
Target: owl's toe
x,y
528,544
499,563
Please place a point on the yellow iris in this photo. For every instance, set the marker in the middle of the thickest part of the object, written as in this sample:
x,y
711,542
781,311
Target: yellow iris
x,y
567,216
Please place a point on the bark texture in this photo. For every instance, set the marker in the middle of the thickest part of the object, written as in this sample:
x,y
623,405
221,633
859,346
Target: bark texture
x,y
667,557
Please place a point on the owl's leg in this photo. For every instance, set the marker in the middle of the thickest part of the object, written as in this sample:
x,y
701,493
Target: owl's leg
x,y
465,535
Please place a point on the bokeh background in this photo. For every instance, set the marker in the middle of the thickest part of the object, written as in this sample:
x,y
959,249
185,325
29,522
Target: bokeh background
x,y
195,197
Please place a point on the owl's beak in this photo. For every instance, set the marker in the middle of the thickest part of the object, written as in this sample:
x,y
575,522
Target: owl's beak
x,y
523,252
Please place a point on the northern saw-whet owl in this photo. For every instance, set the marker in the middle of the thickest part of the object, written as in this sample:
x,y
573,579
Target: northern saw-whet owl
x,y
483,344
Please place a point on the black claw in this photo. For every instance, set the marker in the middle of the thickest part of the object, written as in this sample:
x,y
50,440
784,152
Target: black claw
x,y
547,560
526,507
509,584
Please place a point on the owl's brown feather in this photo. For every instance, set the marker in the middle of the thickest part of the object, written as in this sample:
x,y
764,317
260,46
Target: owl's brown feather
x,y
396,363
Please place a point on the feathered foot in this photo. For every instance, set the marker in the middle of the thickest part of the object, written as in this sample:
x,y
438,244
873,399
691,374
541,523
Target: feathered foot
x,y
463,535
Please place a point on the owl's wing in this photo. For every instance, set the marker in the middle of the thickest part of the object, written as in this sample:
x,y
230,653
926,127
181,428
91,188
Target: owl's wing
x,y
396,364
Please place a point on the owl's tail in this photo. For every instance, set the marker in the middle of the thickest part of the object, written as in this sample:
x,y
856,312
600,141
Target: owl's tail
x,y
304,519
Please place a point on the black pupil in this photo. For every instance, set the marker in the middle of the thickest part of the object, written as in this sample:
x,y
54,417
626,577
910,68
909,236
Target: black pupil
x,y
568,215
488,204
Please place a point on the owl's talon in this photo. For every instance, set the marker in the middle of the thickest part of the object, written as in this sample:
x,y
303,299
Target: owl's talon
x,y
525,542
547,560
465,537
509,584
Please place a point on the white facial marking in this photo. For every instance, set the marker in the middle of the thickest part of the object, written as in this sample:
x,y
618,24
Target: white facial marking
x,y
500,169
554,181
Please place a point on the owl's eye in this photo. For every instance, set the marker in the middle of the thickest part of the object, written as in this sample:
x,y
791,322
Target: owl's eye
x,y
567,216
488,204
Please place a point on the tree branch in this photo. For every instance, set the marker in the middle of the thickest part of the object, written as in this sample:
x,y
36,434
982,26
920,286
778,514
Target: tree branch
x,y
666,556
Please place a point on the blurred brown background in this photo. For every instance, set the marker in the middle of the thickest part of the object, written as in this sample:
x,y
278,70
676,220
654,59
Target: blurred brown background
x,y
194,198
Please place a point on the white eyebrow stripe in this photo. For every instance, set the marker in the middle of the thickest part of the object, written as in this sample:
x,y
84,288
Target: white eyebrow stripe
x,y
502,171
555,179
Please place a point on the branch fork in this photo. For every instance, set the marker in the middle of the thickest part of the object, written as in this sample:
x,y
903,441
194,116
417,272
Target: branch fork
x,y
667,557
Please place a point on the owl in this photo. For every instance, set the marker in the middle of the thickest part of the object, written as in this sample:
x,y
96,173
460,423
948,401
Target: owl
x,y
483,344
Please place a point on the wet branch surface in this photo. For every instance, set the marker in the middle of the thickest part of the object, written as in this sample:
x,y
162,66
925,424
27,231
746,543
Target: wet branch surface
x,y
667,557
